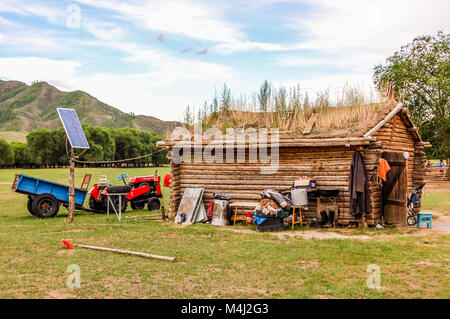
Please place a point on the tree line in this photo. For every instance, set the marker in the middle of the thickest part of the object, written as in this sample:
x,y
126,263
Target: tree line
x,y
46,148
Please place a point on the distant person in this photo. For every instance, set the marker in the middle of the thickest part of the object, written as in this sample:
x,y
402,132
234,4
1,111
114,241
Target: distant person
x,y
441,164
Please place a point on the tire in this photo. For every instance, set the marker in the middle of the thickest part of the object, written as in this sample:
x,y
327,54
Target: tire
x,y
30,206
153,204
94,205
115,200
118,189
411,220
137,205
45,205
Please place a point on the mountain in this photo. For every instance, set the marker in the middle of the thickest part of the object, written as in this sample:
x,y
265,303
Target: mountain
x,y
27,107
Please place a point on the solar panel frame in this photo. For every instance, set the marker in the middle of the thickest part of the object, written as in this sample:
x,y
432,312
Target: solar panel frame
x,y
72,127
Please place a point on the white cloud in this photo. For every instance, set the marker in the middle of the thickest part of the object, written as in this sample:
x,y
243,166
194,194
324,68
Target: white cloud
x,y
50,13
29,69
186,18
379,26
356,35
163,90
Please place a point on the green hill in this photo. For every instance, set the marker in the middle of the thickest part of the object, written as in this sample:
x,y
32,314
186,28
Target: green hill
x,y
24,108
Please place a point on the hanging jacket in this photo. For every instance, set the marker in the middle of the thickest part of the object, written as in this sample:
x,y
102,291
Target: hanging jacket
x,y
360,201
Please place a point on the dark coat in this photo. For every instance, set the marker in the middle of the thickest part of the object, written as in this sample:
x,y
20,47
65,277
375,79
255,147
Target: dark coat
x,y
360,201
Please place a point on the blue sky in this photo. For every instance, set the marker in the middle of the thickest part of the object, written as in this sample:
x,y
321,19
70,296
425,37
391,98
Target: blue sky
x,y
157,57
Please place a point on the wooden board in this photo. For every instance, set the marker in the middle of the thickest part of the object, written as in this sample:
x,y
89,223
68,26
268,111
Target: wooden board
x,y
312,120
394,189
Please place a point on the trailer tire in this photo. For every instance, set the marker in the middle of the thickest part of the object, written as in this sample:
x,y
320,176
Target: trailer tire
x,y
153,204
45,205
30,206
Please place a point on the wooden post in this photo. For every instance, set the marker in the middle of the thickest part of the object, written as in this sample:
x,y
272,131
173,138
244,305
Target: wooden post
x,y
71,186
163,213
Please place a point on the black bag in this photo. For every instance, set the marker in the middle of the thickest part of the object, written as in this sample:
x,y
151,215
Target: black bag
x,y
222,196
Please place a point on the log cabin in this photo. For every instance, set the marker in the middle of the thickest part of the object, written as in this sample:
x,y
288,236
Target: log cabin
x,y
324,154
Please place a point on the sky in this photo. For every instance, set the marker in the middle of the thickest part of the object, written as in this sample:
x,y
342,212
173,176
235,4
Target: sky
x,y
157,57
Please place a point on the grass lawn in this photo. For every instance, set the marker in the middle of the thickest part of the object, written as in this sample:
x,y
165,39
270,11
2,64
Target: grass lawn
x,y
212,262
436,197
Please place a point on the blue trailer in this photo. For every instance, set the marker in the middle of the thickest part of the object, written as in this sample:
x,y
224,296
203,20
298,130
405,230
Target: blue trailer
x,y
45,197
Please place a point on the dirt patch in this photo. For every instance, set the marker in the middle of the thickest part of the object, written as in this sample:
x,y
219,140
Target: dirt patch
x,y
441,224
307,264
59,294
306,234
66,231
66,252
437,187
314,234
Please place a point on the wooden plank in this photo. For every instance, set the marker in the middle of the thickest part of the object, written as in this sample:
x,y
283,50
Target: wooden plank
x,y
310,124
385,120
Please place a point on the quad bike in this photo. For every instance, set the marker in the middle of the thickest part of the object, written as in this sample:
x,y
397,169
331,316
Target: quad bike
x,y
139,191
413,201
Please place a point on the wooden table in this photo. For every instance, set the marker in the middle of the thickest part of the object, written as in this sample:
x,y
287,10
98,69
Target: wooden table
x,y
237,205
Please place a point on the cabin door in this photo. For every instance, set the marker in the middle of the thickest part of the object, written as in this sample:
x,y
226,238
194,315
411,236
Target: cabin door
x,y
394,189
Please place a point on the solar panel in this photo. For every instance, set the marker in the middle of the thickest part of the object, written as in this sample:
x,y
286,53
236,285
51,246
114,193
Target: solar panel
x,y
73,128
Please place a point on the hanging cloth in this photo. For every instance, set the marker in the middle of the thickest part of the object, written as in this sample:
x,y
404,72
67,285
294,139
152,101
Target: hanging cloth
x,y
360,201
383,168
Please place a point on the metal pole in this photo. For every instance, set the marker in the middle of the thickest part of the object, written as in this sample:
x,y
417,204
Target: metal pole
x,y
71,186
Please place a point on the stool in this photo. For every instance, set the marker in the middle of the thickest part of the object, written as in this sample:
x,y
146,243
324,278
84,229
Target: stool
x,y
424,219
299,214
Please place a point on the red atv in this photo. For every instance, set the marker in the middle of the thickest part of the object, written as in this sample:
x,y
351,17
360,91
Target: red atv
x,y
139,191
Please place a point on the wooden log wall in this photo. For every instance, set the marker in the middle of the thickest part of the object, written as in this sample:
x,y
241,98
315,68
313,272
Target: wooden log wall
x,y
330,167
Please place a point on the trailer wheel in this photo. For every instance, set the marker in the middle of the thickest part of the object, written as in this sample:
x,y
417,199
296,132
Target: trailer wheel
x,y
137,205
153,203
30,205
45,205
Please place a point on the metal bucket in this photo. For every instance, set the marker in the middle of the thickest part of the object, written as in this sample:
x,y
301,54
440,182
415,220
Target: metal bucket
x,y
299,197
220,213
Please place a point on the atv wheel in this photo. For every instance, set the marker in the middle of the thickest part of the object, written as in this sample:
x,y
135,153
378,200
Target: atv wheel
x,y
411,220
137,205
45,205
153,203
